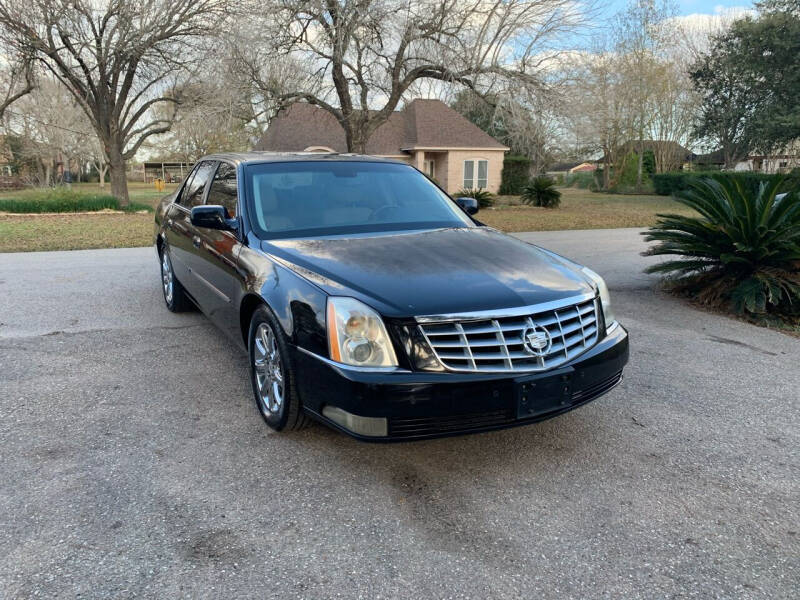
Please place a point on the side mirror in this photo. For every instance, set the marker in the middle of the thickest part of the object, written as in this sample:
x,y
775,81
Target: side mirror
x,y
468,205
213,216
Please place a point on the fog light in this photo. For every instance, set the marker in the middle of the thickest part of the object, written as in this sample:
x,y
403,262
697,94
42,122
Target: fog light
x,y
367,426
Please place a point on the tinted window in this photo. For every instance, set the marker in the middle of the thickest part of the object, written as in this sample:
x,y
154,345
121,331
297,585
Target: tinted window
x,y
223,188
193,194
292,199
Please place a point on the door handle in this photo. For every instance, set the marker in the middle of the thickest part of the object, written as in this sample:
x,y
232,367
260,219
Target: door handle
x,y
196,241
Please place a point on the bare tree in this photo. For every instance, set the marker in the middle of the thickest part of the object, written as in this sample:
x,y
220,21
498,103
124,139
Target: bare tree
x,y
118,58
261,79
16,76
361,56
595,105
52,131
212,117
640,38
673,106
526,123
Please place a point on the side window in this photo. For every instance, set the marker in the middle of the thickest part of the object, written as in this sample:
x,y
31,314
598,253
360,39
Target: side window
x,y
223,188
193,194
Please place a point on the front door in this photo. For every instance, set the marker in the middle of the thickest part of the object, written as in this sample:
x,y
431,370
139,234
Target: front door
x,y
216,269
184,245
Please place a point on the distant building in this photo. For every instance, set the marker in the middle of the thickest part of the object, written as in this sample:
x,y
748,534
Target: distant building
x,y
567,168
780,162
427,134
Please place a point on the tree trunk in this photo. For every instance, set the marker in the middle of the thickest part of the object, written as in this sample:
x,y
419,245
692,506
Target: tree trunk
x,y
102,172
119,180
640,165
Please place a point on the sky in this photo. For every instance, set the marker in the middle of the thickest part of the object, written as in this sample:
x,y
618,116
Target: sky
x,y
688,7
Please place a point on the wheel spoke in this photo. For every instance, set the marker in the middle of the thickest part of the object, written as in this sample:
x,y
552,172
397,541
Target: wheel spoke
x,y
268,369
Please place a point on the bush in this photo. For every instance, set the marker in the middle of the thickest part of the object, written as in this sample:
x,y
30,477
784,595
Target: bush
x,y
541,191
63,200
515,175
742,252
667,184
624,180
484,197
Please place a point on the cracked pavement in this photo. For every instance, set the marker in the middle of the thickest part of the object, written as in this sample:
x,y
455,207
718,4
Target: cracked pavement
x,y
134,463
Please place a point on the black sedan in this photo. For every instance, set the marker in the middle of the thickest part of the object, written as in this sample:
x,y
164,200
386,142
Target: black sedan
x,y
370,300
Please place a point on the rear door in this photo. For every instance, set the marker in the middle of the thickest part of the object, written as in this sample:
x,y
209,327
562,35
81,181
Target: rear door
x,y
183,244
218,253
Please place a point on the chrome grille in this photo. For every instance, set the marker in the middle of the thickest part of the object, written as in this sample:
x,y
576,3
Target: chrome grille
x,y
495,343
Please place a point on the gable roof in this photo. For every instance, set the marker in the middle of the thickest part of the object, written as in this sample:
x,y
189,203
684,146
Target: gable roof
x,y
421,124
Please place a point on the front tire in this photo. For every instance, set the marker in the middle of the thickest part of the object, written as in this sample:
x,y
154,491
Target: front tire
x,y
272,373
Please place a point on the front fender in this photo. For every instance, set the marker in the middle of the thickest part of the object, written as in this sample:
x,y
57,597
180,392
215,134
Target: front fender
x,y
298,304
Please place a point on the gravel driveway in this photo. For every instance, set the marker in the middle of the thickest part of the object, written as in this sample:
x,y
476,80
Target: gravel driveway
x,y
134,463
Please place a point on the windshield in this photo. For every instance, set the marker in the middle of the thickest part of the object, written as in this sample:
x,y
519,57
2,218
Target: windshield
x,y
308,198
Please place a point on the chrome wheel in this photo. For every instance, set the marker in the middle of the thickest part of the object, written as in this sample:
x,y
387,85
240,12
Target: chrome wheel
x,y
166,277
268,370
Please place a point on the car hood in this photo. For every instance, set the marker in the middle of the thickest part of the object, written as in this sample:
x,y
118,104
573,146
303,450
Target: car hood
x,y
432,272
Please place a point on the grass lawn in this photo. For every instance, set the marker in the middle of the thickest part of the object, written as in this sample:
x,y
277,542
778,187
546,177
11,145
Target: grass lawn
x,y
139,192
25,233
580,209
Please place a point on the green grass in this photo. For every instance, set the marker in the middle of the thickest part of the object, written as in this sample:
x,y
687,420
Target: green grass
x,y
580,209
64,200
28,233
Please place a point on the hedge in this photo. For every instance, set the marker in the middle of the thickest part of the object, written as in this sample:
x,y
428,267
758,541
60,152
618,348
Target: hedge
x,y
516,172
64,200
666,184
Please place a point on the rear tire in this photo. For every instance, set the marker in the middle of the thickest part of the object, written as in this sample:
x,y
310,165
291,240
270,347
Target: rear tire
x,y
174,295
272,373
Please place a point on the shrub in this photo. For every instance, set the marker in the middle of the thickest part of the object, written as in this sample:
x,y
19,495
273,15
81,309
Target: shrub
x,y
742,252
625,177
484,197
63,200
648,162
541,191
515,175
667,184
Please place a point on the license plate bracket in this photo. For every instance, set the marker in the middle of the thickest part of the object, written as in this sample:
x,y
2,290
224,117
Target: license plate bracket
x,y
541,394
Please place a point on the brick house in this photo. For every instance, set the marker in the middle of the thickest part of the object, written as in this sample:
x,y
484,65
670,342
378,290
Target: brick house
x,y
426,133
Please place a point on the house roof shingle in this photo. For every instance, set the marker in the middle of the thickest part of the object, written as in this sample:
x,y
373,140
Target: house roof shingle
x,y
421,124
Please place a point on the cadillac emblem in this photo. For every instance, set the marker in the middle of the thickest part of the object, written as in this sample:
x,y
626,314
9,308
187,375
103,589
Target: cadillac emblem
x,y
536,341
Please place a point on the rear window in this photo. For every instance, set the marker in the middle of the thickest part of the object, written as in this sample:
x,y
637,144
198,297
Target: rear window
x,y
296,199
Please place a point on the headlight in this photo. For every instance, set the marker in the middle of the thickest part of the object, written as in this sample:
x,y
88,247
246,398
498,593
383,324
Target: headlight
x,y
605,297
357,336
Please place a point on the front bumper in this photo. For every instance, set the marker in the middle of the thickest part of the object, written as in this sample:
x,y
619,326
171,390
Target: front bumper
x,y
422,405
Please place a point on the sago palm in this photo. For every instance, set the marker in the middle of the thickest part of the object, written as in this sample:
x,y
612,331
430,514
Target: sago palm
x,y
541,191
742,251
484,197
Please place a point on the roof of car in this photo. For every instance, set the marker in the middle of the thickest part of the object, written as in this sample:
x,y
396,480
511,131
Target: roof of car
x,y
265,156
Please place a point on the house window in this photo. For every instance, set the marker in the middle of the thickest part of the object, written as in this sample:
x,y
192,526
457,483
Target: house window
x,y
476,174
429,168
